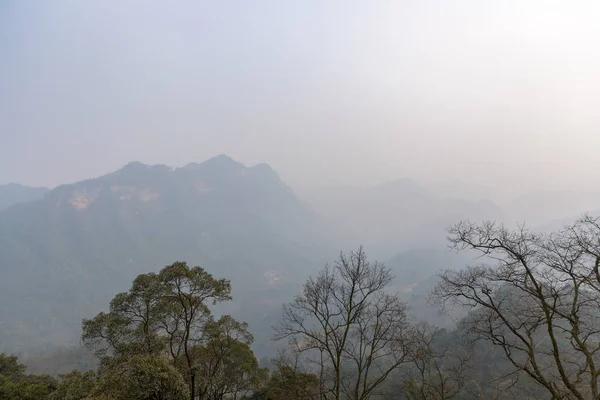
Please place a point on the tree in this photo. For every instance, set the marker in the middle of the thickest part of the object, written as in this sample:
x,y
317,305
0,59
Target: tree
x,y
290,381
75,386
352,331
537,298
140,377
133,324
440,366
187,290
225,363
167,314
10,367
161,313
16,385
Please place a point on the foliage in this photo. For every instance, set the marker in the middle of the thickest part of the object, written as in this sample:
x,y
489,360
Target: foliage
x,y
16,385
166,315
147,377
133,322
225,363
287,383
75,386
185,312
347,336
10,368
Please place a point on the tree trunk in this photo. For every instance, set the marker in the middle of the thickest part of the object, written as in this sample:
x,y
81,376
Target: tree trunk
x,y
193,386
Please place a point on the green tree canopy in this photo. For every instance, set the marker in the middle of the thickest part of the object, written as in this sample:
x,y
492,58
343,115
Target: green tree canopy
x,y
225,362
140,377
16,385
168,315
75,386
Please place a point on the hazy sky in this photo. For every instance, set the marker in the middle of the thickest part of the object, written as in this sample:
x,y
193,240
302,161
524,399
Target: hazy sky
x,y
327,92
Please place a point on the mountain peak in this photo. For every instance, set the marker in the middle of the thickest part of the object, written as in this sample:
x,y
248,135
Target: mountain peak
x,y
266,171
133,166
222,161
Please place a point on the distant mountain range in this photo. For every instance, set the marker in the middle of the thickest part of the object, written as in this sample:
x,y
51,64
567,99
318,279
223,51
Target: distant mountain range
x,y
14,193
65,252
542,207
65,256
397,215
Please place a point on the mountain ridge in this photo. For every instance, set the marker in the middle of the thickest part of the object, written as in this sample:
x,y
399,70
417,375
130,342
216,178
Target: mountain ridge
x,y
398,215
79,245
15,193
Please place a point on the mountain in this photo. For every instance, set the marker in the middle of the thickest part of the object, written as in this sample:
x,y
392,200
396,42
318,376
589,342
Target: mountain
x,y
456,188
544,207
418,265
65,256
14,193
416,273
397,215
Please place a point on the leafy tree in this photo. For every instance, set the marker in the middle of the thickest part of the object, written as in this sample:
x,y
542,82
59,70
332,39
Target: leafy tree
x,y
187,290
10,367
290,379
286,383
225,363
16,385
352,331
140,377
75,386
132,326
168,314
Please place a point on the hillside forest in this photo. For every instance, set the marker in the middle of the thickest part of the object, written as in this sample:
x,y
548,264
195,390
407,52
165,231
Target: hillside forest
x,y
217,281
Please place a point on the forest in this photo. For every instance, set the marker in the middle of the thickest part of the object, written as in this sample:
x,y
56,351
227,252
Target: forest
x,y
530,329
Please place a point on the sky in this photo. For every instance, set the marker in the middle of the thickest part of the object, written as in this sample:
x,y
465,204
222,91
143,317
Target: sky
x,y
502,93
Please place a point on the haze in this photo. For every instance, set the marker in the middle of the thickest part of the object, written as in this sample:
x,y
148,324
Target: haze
x,y
500,93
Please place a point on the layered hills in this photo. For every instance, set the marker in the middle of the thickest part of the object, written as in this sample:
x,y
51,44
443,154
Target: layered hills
x,y
14,193
65,253
63,257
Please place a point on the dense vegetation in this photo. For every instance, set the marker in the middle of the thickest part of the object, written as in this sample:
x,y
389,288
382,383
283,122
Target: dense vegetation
x,y
347,336
160,340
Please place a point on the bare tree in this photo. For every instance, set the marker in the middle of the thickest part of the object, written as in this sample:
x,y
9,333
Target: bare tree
x,y
440,368
353,332
537,298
